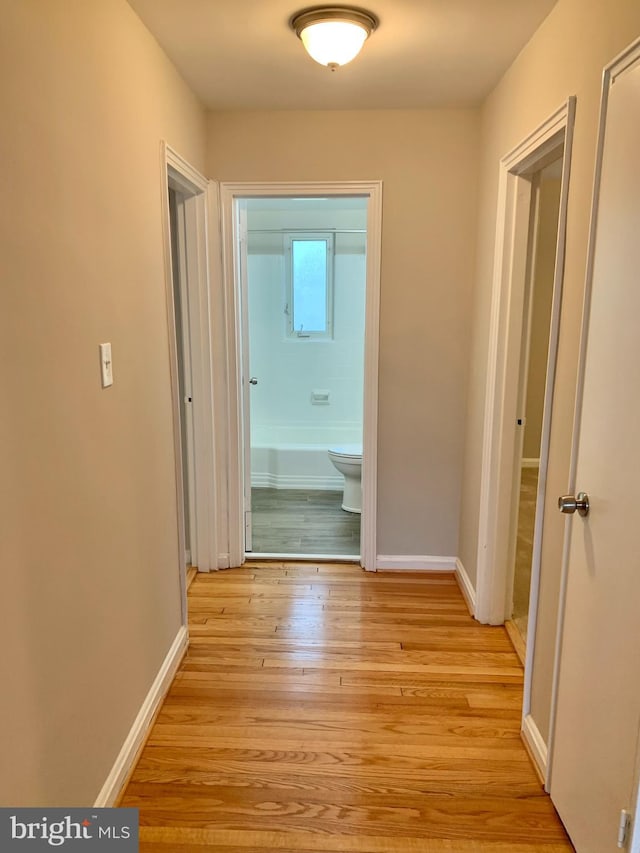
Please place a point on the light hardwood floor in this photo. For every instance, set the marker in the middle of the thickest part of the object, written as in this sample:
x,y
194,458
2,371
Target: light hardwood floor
x,y
322,708
524,549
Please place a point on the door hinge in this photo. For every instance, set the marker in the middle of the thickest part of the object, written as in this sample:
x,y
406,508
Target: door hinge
x,y
624,828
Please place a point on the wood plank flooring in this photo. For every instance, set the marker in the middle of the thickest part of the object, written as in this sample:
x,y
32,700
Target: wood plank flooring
x,y
299,521
524,549
321,708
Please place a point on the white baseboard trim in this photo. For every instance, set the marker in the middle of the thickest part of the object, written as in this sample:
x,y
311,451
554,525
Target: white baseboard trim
x,y
419,563
466,587
536,744
530,463
139,730
224,561
267,480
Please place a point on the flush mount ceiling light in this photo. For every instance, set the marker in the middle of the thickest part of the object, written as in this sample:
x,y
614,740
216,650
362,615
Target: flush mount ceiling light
x,y
333,35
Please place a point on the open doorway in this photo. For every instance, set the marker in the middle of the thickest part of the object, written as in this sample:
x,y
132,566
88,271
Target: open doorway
x,y
178,231
545,210
309,316
522,191
185,197
304,317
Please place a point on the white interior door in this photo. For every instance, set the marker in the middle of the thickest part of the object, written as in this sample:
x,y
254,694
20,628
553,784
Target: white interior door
x,y
247,380
593,772
179,237
525,350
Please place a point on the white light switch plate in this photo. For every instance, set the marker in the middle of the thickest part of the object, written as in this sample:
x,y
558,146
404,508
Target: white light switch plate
x,y
106,366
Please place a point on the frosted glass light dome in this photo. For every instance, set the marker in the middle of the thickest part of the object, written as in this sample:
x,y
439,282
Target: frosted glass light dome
x,y
333,35
333,42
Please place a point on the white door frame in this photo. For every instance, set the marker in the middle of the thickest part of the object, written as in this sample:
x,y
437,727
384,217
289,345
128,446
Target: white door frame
x,y
614,69
228,193
180,175
499,445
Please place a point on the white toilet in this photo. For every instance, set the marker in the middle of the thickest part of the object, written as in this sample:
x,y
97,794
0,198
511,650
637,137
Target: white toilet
x,y
348,460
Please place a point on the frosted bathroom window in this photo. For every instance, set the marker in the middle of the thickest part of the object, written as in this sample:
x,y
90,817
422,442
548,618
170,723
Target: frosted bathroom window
x,y
309,285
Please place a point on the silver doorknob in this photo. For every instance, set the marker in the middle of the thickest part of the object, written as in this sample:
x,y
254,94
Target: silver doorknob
x,y
569,504
253,381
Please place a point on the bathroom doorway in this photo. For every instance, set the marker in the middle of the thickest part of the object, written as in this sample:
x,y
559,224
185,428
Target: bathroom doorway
x,y
305,286
545,211
305,308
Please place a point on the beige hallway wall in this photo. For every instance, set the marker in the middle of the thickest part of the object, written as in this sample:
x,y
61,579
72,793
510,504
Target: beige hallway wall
x,y
91,599
565,57
428,163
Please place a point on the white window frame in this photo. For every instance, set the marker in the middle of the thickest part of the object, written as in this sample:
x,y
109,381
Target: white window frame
x,y
289,237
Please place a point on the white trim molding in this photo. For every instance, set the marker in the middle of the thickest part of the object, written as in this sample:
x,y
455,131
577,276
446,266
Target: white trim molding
x,y
234,450
191,179
466,587
192,187
368,534
535,742
635,837
495,526
137,736
414,563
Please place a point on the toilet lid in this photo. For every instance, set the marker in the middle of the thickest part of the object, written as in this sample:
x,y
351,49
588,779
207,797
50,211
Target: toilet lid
x,y
353,451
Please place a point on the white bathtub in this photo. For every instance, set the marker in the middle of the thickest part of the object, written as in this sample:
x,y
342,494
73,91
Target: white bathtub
x,y
278,461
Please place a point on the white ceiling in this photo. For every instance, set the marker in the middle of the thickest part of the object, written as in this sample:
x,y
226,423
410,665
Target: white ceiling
x,y
241,54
